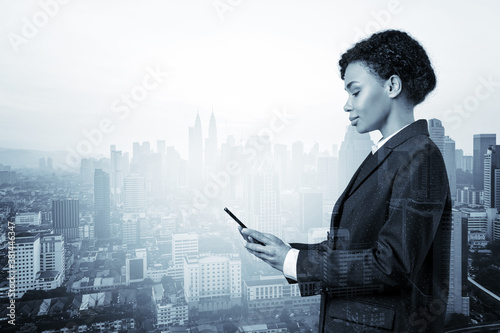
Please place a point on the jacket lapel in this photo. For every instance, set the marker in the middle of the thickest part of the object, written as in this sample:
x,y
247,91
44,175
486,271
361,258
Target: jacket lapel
x,y
416,128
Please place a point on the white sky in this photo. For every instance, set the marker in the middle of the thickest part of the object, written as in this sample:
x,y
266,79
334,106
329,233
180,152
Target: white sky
x,y
264,54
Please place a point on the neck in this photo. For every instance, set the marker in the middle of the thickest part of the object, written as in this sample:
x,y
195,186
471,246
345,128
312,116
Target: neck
x,y
398,118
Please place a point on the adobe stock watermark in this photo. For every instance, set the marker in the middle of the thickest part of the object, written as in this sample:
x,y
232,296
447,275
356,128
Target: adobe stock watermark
x,y
32,25
484,89
122,107
219,180
380,20
222,7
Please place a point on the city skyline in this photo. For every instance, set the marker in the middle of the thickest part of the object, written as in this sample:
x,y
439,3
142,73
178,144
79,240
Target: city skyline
x,y
66,77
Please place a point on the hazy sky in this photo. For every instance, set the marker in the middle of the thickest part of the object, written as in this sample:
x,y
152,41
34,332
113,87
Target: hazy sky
x,y
64,72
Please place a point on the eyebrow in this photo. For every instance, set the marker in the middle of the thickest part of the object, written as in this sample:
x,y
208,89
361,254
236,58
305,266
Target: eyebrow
x,y
350,83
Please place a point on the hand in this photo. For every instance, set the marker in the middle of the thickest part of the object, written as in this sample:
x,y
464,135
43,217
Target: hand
x,y
273,253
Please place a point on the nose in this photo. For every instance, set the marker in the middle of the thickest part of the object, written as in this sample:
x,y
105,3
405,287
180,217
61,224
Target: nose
x,y
347,106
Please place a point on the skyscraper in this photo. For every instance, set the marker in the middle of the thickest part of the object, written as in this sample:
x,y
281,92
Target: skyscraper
x,y
328,178
134,189
436,133
28,248
66,217
311,209
491,177
458,301
297,163
481,144
451,167
101,204
116,174
182,245
353,151
195,153
264,201
211,145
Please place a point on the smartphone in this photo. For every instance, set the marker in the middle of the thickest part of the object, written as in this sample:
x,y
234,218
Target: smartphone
x,y
241,224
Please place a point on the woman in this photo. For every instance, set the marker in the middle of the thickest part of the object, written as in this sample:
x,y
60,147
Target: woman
x,y
387,271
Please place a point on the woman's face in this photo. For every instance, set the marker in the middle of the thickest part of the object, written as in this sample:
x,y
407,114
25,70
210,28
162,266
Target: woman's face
x,y
368,103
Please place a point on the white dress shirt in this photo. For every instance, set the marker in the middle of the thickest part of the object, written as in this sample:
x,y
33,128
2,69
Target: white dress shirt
x,y
290,263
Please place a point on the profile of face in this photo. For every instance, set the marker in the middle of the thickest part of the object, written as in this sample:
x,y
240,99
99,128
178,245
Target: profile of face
x,y
369,102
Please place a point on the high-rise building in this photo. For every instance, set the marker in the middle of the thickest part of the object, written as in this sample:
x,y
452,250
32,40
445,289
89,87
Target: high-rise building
x,y
311,209
211,145
469,196
136,266
40,262
116,174
297,164
66,217
131,233
173,169
212,282
459,159
492,177
496,227
481,144
477,219
436,133
52,254
101,204
282,164
161,146
182,245
195,153
451,167
28,262
458,301
134,190
327,178
87,170
353,150
264,201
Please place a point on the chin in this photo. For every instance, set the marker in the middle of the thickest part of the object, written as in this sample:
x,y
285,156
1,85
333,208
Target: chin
x,y
361,130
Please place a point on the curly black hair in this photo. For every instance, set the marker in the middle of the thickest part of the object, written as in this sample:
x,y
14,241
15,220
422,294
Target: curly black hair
x,y
392,52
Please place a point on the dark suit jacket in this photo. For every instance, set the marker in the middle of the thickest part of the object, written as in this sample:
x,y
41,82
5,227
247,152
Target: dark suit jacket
x,y
390,273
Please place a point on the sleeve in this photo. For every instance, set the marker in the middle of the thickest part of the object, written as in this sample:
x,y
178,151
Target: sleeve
x,y
290,264
419,193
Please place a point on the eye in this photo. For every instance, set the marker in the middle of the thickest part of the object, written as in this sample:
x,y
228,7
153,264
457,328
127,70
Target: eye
x,y
356,93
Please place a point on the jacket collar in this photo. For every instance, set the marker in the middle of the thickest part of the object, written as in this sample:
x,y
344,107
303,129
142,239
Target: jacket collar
x,y
371,163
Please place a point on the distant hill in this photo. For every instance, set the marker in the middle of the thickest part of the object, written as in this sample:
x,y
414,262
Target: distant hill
x,y
23,158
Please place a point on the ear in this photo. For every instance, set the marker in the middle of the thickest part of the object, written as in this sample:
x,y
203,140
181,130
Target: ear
x,y
394,86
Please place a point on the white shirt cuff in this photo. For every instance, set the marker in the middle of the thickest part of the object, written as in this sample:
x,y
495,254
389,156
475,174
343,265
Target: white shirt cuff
x,y
290,264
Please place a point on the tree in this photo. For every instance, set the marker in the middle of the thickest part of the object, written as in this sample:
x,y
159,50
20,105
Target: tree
x,y
33,294
148,281
143,299
489,278
494,247
229,328
457,320
28,328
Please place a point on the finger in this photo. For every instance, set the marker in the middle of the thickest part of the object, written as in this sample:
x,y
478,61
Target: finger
x,y
256,235
261,255
255,247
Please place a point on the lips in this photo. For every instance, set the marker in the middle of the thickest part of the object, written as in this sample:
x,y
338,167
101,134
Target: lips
x,y
354,120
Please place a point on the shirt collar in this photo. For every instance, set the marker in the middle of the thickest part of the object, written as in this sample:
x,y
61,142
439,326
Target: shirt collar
x,y
382,141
